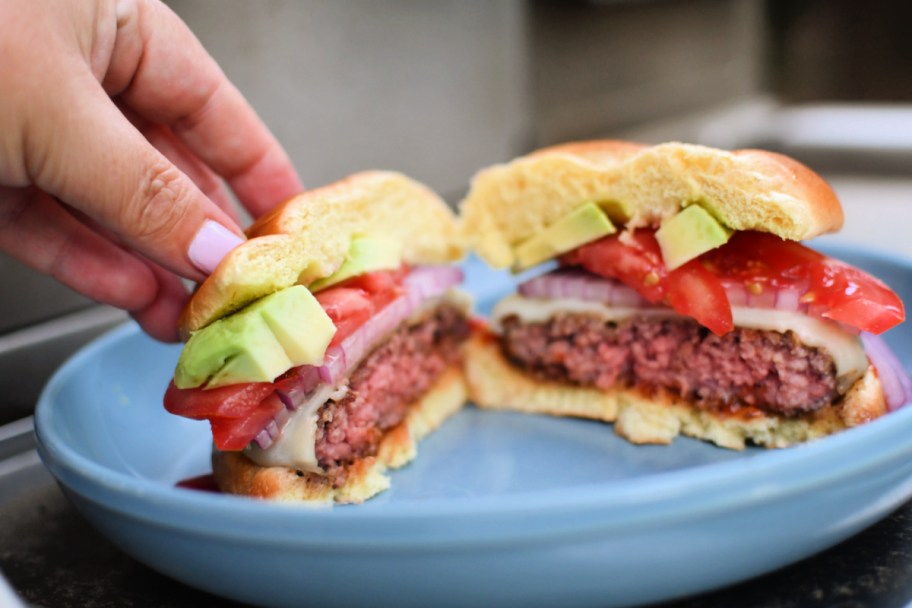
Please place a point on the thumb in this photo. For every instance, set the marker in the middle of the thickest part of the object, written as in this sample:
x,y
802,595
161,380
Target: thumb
x,y
95,160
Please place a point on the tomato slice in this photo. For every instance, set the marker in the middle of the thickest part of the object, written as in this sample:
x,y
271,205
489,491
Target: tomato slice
x,y
351,303
847,294
233,401
348,308
760,261
637,263
696,292
236,433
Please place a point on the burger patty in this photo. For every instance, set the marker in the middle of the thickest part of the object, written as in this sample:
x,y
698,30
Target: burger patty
x,y
766,369
380,390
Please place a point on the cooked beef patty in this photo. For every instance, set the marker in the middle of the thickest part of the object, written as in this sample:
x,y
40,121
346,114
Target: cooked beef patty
x,y
766,369
380,390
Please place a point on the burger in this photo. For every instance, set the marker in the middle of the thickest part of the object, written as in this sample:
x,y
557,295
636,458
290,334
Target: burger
x,y
672,295
325,346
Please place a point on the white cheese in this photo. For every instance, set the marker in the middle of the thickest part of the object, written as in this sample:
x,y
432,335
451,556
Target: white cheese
x,y
297,443
845,348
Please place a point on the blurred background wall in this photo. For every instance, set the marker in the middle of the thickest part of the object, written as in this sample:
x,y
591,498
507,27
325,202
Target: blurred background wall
x,y
438,88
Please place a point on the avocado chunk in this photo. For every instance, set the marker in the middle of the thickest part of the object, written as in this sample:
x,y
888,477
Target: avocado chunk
x,y
688,234
366,254
258,343
585,223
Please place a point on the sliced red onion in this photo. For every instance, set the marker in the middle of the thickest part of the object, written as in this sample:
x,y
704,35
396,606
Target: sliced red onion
x,y
273,430
421,283
760,296
306,379
581,285
345,355
894,379
789,298
432,281
737,294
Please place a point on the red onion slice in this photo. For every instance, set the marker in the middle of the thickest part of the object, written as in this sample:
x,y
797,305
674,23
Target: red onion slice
x,y
422,283
894,379
273,430
581,285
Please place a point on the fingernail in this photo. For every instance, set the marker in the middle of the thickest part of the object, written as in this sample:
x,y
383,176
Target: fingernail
x,y
211,244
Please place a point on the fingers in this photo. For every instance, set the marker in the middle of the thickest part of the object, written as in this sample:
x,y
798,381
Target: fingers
x,y
210,184
97,162
163,73
42,234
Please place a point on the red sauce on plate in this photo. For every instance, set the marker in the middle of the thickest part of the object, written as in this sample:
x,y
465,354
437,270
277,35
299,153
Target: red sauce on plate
x,y
203,483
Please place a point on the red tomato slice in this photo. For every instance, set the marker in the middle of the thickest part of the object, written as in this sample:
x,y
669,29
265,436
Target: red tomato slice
x,y
832,289
847,294
351,303
236,433
696,292
348,308
378,281
233,401
638,264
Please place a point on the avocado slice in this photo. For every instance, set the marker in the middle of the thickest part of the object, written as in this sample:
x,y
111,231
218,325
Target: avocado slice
x,y
366,254
585,223
688,234
258,343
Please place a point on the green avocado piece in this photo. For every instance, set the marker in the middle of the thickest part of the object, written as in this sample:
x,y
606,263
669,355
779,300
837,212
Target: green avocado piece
x,y
585,223
258,343
366,254
688,234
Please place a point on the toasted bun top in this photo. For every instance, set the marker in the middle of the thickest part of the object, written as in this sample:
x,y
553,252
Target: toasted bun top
x,y
308,237
640,186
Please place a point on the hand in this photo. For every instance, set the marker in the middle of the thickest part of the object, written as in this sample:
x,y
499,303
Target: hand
x,y
116,131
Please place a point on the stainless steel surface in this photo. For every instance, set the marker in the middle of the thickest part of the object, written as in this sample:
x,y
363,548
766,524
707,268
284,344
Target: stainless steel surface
x,y
28,297
30,355
20,468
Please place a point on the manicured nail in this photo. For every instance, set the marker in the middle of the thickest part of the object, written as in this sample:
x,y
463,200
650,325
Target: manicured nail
x,y
211,244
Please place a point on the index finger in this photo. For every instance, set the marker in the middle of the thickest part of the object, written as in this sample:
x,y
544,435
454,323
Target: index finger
x,y
162,72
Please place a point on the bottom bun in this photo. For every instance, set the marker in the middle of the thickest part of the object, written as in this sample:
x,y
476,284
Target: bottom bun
x,y
236,474
640,418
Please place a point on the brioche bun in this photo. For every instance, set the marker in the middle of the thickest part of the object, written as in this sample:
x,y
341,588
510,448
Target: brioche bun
x,y
307,238
495,383
640,186
236,474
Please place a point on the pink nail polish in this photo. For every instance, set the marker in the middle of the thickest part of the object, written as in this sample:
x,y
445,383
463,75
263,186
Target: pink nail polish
x,y
211,244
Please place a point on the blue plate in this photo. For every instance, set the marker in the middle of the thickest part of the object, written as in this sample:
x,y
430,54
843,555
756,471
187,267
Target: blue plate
x,y
498,508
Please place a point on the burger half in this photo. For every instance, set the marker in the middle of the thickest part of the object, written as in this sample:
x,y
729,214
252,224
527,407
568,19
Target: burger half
x,y
322,348
682,301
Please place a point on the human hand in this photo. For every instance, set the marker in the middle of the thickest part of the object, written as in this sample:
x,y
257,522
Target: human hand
x,y
117,130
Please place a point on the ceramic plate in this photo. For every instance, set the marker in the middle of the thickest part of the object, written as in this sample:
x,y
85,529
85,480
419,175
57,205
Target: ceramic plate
x,y
498,507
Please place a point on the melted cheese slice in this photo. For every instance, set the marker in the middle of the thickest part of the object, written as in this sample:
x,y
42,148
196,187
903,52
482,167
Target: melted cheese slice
x,y
846,349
